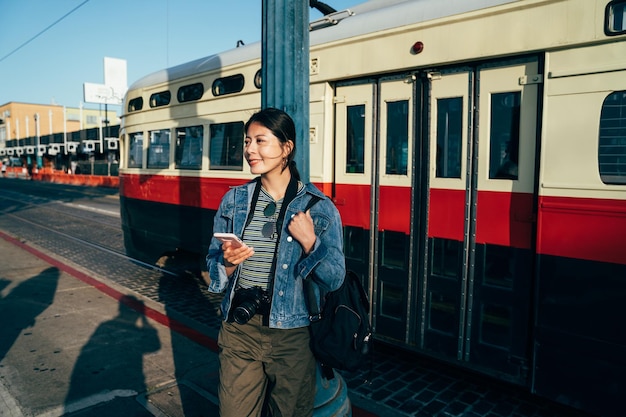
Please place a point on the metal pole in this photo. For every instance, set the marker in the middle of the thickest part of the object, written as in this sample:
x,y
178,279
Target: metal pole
x,y
285,68
37,134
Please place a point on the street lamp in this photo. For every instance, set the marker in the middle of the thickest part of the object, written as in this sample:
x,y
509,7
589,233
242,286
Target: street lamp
x,y
37,134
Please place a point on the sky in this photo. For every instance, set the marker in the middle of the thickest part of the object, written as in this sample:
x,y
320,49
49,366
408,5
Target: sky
x,y
50,48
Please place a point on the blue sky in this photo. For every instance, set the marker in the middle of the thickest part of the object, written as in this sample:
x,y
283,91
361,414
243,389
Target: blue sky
x,y
149,34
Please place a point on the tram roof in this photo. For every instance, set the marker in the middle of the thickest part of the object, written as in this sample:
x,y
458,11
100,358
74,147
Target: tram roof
x,y
369,17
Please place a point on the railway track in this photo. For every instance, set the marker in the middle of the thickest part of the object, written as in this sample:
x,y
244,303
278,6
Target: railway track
x,y
81,226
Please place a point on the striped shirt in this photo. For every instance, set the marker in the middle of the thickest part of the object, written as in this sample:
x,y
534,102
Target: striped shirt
x,y
255,271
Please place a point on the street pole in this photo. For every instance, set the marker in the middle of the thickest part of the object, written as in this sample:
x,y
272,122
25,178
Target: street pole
x,y
285,68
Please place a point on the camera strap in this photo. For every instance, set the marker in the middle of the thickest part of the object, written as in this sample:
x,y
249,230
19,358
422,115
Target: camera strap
x,y
290,194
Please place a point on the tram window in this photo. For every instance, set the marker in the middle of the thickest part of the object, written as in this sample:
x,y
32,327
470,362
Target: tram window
x,y
612,140
355,243
135,150
135,104
226,146
228,85
258,79
391,301
159,149
615,18
449,137
160,99
394,247
495,325
189,147
499,266
442,313
397,137
446,258
504,135
355,134
190,92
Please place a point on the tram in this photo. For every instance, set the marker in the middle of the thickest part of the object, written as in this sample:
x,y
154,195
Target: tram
x,y
476,151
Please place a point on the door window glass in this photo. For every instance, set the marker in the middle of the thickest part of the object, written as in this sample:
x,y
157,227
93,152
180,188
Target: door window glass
x,y
397,137
449,137
355,137
504,135
443,313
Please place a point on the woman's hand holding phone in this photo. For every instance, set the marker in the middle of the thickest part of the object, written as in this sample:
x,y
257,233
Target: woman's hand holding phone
x,y
235,250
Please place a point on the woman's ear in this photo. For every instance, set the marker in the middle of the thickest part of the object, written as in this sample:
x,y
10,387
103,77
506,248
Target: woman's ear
x,y
288,148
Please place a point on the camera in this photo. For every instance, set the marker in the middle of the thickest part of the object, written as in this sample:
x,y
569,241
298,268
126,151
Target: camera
x,y
248,302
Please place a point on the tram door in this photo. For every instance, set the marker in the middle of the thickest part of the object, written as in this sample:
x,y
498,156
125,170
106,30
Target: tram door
x,y
373,174
475,297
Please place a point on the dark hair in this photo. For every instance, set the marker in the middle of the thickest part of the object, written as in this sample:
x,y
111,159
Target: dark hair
x,y
283,127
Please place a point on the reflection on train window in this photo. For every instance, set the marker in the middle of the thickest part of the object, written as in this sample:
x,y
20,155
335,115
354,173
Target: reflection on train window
x,y
355,243
228,85
449,137
499,266
397,137
391,301
189,147
135,150
504,135
394,248
355,135
442,313
495,325
226,146
615,18
159,149
446,258
135,104
160,99
190,92
612,141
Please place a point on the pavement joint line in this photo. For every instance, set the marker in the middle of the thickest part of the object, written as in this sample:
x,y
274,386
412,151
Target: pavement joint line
x,y
93,209
9,407
88,402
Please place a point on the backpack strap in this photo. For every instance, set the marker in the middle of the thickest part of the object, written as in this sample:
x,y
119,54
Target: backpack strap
x,y
311,300
314,199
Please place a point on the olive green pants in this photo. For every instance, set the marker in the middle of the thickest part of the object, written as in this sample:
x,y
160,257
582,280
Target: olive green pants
x,y
262,367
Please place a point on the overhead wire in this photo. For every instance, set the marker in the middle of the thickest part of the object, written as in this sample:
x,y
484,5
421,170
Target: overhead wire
x,y
43,31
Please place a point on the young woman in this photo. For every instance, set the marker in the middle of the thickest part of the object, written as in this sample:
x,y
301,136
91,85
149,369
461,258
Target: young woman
x,y
266,365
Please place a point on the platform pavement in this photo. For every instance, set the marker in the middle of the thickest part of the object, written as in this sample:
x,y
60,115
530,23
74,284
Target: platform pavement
x,y
67,347
75,344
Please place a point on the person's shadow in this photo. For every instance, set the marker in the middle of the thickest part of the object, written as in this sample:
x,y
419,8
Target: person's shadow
x,y
182,295
112,359
23,304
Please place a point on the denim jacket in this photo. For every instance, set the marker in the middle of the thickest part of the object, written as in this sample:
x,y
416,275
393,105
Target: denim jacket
x,y
288,309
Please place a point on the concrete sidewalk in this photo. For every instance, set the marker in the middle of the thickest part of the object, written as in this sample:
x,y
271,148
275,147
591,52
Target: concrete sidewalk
x,y
68,347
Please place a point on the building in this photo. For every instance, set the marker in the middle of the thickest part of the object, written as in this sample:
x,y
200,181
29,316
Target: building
x,y
38,129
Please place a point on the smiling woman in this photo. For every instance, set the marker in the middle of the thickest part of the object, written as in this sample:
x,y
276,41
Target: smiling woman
x,y
265,329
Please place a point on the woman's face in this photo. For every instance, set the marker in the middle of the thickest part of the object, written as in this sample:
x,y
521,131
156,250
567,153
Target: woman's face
x,y
264,151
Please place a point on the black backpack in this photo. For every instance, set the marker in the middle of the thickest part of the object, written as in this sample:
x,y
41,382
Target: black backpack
x,y
341,333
